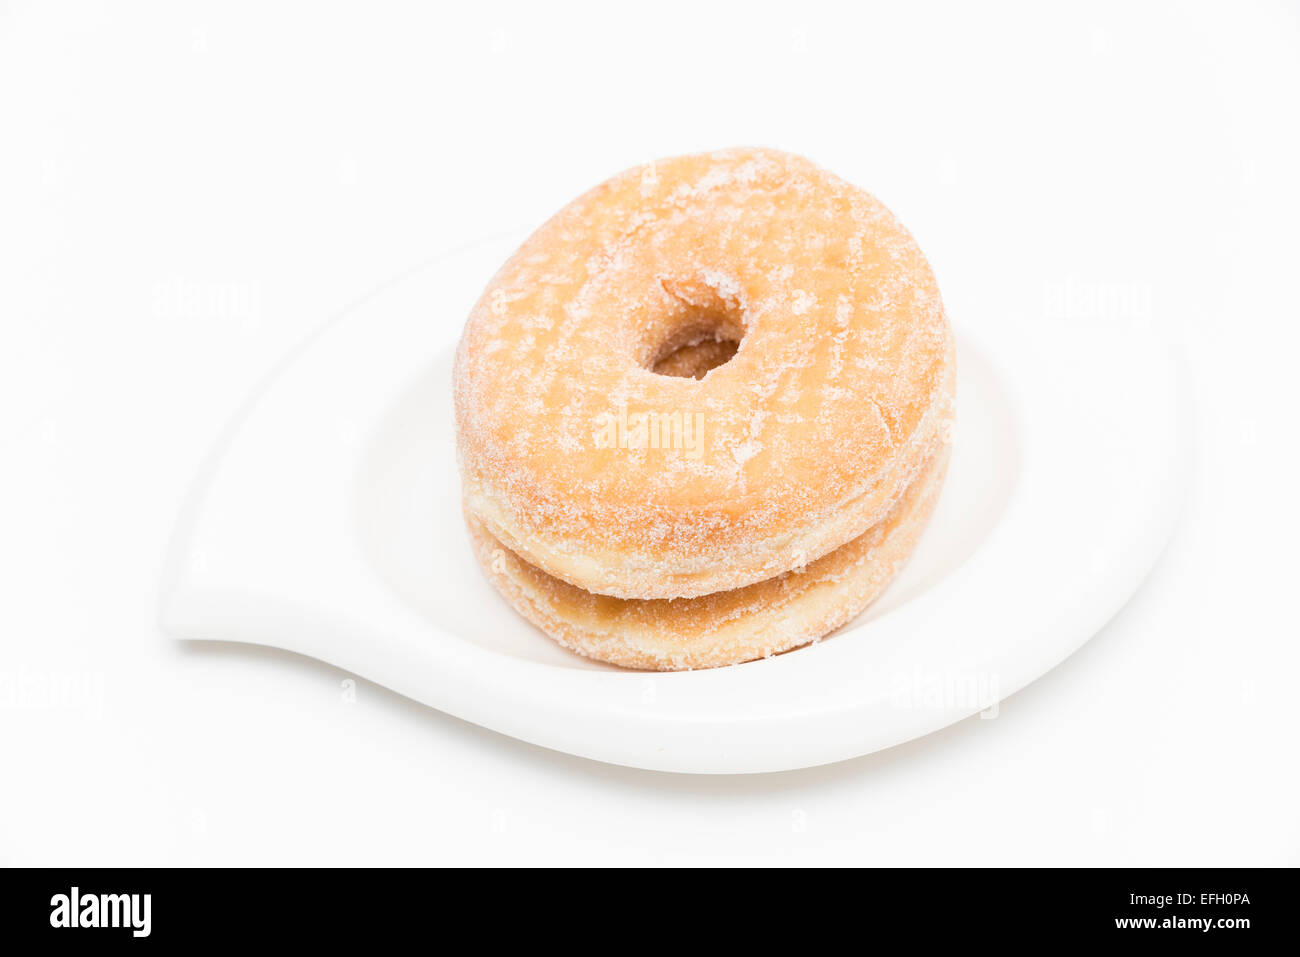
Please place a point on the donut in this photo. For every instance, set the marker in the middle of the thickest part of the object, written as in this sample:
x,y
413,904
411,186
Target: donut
x,y
724,628
700,375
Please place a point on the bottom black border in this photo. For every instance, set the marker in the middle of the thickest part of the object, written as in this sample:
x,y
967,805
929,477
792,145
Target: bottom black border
x,y
368,906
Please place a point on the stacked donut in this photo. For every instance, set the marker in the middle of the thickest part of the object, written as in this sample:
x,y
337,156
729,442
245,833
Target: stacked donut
x,y
703,413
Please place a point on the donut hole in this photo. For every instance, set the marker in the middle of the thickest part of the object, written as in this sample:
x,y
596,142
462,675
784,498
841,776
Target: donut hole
x,y
697,358
696,341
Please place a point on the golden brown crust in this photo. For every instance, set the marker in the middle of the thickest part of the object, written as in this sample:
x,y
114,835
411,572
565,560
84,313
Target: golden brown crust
x,y
837,394
727,627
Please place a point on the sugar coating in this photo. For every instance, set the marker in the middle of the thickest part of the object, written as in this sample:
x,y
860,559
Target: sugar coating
x,y
835,398
727,627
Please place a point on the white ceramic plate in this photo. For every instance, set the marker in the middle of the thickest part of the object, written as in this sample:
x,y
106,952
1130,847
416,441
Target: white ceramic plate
x,y
327,522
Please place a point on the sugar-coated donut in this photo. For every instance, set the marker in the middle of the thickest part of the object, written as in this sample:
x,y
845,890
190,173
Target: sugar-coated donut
x,y
701,374
726,627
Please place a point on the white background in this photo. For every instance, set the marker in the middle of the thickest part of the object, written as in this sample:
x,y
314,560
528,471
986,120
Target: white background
x,y
187,190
